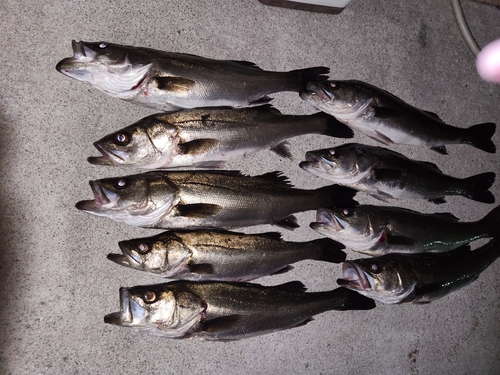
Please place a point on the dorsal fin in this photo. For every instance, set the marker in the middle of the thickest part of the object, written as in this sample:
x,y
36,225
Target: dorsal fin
x,y
276,177
292,286
247,64
271,235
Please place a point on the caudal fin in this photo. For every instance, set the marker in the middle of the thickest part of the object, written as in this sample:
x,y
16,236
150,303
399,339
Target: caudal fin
x,y
480,136
329,250
346,299
336,196
477,187
491,222
332,126
317,73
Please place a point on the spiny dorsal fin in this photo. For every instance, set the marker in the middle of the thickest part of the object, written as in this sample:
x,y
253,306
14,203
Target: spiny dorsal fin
x,y
276,177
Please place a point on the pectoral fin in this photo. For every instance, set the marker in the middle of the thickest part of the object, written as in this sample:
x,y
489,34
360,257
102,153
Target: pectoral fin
x,y
289,222
198,210
440,149
199,146
283,270
174,84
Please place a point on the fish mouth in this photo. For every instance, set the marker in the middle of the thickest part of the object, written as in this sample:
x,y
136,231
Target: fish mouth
x,y
81,53
326,219
123,316
316,89
103,198
127,258
109,157
354,277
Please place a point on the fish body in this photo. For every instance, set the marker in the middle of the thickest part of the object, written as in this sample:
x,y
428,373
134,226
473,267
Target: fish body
x,y
225,311
387,175
221,255
170,81
387,119
417,278
377,230
195,200
208,137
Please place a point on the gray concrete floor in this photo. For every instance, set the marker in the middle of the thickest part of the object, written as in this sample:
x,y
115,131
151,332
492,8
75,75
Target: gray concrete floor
x,y
56,281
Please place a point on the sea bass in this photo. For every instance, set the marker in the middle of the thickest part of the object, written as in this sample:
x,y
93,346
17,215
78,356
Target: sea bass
x,y
387,119
386,175
170,81
209,137
195,200
376,230
226,311
417,278
221,255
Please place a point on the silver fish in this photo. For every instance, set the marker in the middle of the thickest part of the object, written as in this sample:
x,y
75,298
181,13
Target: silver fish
x,y
194,200
209,137
226,311
387,119
387,175
221,255
170,81
378,230
417,278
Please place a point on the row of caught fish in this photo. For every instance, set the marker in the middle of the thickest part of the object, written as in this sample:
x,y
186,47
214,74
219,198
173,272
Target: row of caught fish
x,y
202,306
214,310
170,81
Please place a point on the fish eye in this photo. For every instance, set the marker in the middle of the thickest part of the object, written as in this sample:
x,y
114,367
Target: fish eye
x,y
375,268
142,248
346,212
103,45
332,151
122,139
121,183
150,296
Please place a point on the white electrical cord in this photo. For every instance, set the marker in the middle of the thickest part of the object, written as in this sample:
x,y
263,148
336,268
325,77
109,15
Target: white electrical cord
x,y
464,28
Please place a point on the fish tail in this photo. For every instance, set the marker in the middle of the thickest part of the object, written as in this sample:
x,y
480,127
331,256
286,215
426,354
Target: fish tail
x,y
336,196
491,222
480,136
317,73
346,299
477,187
332,127
329,250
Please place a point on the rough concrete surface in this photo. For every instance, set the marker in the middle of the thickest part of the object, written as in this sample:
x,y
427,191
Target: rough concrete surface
x,y
56,283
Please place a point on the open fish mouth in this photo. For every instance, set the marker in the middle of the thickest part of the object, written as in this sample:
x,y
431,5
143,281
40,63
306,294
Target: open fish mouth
x,y
103,198
128,258
81,54
354,277
123,316
324,216
316,90
108,157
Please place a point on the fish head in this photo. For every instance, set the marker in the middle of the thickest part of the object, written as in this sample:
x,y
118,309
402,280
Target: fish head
x,y
139,200
114,69
162,255
351,226
148,143
160,309
329,96
379,278
334,164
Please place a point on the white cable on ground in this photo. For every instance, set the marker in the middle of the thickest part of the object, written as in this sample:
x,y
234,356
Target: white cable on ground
x,y
464,28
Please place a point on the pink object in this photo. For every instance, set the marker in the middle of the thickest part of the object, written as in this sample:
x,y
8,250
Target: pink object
x,y
488,62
